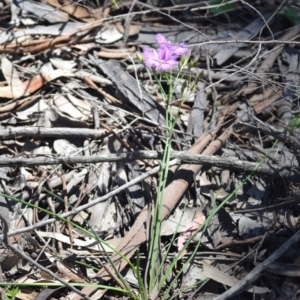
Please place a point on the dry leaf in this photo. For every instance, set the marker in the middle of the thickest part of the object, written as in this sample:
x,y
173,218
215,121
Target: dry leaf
x,y
32,85
108,35
189,230
89,243
72,106
217,275
133,28
73,9
12,77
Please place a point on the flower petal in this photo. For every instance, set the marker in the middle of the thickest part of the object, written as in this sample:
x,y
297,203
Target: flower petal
x,y
150,57
167,65
179,50
164,53
161,39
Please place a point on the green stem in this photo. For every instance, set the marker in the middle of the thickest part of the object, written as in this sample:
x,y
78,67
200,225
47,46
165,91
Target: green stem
x,y
156,222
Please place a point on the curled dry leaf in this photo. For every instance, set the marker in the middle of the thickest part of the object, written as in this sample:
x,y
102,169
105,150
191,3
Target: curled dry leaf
x,y
11,76
26,294
108,35
133,28
178,221
68,65
96,78
117,53
72,106
42,11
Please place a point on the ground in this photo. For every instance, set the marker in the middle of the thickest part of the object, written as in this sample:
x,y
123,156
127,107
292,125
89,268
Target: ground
x,y
149,149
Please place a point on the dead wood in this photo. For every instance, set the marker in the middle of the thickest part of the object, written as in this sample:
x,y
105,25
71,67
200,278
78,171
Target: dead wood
x,y
276,171
53,132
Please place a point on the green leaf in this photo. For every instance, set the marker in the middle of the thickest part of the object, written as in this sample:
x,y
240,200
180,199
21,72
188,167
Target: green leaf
x,y
292,15
221,6
295,122
11,293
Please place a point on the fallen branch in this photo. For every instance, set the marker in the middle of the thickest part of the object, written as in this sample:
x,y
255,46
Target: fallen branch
x,y
286,172
52,132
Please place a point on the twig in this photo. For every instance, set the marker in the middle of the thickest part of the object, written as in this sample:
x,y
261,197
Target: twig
x,y
271,17
276,171
52,132
66,202
101,91
56,224
292,200
125,144
283,136
233,243
257,271
266,22
250,42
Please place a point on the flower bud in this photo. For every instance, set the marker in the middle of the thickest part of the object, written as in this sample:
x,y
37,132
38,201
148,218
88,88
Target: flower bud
x,y
183,61
192,86
193,62
139,57
199,75
183,87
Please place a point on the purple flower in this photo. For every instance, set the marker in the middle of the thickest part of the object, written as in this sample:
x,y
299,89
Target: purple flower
x,y
160,60
177,50
165,58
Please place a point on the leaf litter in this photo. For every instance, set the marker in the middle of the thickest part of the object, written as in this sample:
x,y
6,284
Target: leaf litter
x,y
68,65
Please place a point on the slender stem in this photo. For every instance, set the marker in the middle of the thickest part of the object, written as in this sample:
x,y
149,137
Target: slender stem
x,y
156,223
